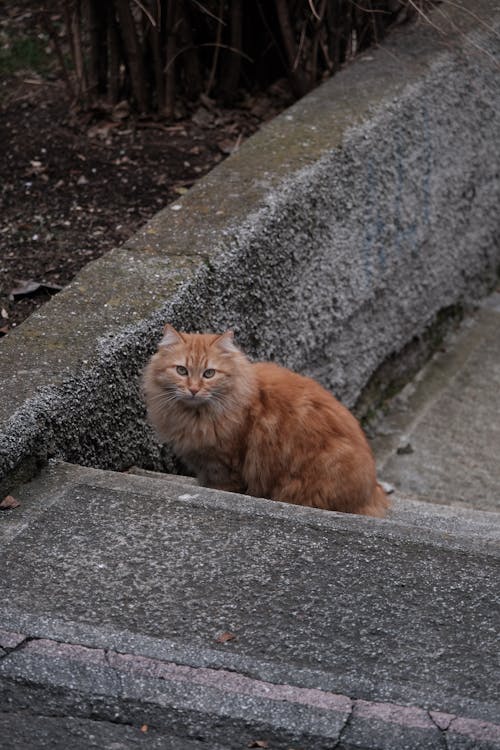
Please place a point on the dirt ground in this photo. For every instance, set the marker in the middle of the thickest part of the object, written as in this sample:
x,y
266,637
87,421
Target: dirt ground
x,y
73,185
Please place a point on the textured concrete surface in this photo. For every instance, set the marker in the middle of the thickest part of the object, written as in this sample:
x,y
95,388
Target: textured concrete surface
x,y
119,592
331,239
440,437
138,610
21,732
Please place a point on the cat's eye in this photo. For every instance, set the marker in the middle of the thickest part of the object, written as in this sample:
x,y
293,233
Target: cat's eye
x,y
181,371
209,373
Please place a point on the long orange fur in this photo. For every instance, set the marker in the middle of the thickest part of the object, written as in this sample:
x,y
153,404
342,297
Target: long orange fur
x,y
258,429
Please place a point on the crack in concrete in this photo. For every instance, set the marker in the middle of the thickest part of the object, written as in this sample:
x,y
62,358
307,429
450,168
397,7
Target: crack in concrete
x,y
439,725
90,716
234,683
18,639
345,727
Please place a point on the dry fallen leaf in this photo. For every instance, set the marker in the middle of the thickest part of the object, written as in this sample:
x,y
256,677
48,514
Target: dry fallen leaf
x,y
121,110
9,502
259,743
225,637
227,146
101,130
144,728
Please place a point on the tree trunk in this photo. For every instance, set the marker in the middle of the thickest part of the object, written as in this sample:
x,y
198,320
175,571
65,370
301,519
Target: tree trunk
x,y
74,26
133,54
113,56
232,67
155,36
297,77
193,79
98,54
171,49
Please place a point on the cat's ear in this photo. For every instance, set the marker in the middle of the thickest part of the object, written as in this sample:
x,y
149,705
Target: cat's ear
x,y
226,342
171,336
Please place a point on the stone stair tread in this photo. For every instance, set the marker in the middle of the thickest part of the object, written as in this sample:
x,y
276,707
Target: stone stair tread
x,y
181,606
407,508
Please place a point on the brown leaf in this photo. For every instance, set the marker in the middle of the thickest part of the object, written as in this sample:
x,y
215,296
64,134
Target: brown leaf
x,y
101,130
121,110
225,637
144,728
227,146
203,118
9,502
4,330
259,743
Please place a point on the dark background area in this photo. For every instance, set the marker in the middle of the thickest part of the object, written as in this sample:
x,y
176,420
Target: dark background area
x,y
109,111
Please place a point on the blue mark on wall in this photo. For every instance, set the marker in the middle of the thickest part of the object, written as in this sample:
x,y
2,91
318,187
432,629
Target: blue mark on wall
x,y
374,228
379,215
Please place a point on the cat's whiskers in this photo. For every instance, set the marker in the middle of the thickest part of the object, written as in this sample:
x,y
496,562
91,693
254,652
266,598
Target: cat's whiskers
x,y
164,398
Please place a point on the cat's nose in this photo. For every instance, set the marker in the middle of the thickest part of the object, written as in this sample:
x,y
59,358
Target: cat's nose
x,y
194,391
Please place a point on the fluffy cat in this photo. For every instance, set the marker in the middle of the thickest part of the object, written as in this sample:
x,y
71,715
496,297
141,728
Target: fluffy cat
x,y
258,429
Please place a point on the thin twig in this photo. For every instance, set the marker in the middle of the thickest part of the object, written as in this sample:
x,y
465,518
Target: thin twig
x,y
300,47
319,26
146,12
469,13
314,11
425,17
381,11
211,44
469,41
209,13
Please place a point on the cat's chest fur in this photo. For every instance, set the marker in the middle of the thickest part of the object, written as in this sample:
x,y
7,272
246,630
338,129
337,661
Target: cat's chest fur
x,y
211,448
197,432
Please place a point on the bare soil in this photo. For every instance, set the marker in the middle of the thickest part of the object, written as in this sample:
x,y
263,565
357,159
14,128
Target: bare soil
x,y
72,185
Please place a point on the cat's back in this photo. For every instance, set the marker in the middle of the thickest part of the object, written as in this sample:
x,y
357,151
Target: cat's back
x,y
274,379
290,396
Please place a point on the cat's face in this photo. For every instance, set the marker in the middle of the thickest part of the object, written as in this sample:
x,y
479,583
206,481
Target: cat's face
x,y
196,369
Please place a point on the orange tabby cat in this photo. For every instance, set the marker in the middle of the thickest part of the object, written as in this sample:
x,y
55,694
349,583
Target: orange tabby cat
x,y
258,428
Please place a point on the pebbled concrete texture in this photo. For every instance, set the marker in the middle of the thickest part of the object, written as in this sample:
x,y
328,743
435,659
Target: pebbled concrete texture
x,y
117,590
20,732
330,240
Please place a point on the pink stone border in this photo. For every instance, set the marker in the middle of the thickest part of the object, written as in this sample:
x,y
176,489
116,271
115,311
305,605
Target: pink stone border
x,y
9,639
235,683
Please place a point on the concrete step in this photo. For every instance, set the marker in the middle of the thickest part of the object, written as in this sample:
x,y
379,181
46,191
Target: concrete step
x,y
440,437
205,616
19,731
452,519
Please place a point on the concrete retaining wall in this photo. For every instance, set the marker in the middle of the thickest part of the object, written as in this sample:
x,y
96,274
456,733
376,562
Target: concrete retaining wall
x,y
331,238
